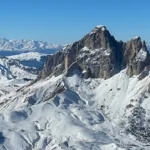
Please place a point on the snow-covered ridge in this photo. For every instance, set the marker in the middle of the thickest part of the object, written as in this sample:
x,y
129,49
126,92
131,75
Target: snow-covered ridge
x,y
12,69
14,74
148,47
28,56
31,59
26,45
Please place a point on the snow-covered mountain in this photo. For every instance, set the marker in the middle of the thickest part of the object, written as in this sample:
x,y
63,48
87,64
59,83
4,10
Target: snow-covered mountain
x,y
20,61
12,69
93,95
9,47
19,70
14,75
148,47
31,59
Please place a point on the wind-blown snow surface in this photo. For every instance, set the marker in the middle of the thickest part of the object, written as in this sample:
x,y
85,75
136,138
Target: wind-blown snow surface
x,y
73,113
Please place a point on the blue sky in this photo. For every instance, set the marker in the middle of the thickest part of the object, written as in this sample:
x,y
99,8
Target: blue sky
x,y
65,21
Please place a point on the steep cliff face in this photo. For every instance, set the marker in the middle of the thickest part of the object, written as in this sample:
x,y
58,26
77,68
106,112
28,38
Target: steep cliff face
x,y
98,54
136,57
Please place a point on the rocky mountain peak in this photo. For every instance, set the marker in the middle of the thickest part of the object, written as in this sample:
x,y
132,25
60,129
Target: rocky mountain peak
x,y
136,57
99,28
99,54
99,37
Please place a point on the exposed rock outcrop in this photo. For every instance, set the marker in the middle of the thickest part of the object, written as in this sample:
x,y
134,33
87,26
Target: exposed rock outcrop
x,y
99,54
136,57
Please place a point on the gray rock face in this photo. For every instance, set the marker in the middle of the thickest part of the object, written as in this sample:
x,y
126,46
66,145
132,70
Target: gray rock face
x,y
54,64
136,57
98,54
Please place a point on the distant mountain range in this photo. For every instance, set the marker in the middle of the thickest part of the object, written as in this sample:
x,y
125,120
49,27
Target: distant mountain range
x,y
9,47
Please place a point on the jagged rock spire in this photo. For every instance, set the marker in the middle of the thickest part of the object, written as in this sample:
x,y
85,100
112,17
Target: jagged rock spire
x,y
100,55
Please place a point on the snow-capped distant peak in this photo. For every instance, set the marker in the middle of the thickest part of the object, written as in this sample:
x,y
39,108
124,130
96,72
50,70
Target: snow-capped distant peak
x,y
26,45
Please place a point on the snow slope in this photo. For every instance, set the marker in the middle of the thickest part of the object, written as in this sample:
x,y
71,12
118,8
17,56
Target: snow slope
x,y
31,59
11,68
64,123
27,56
74,113
13,75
